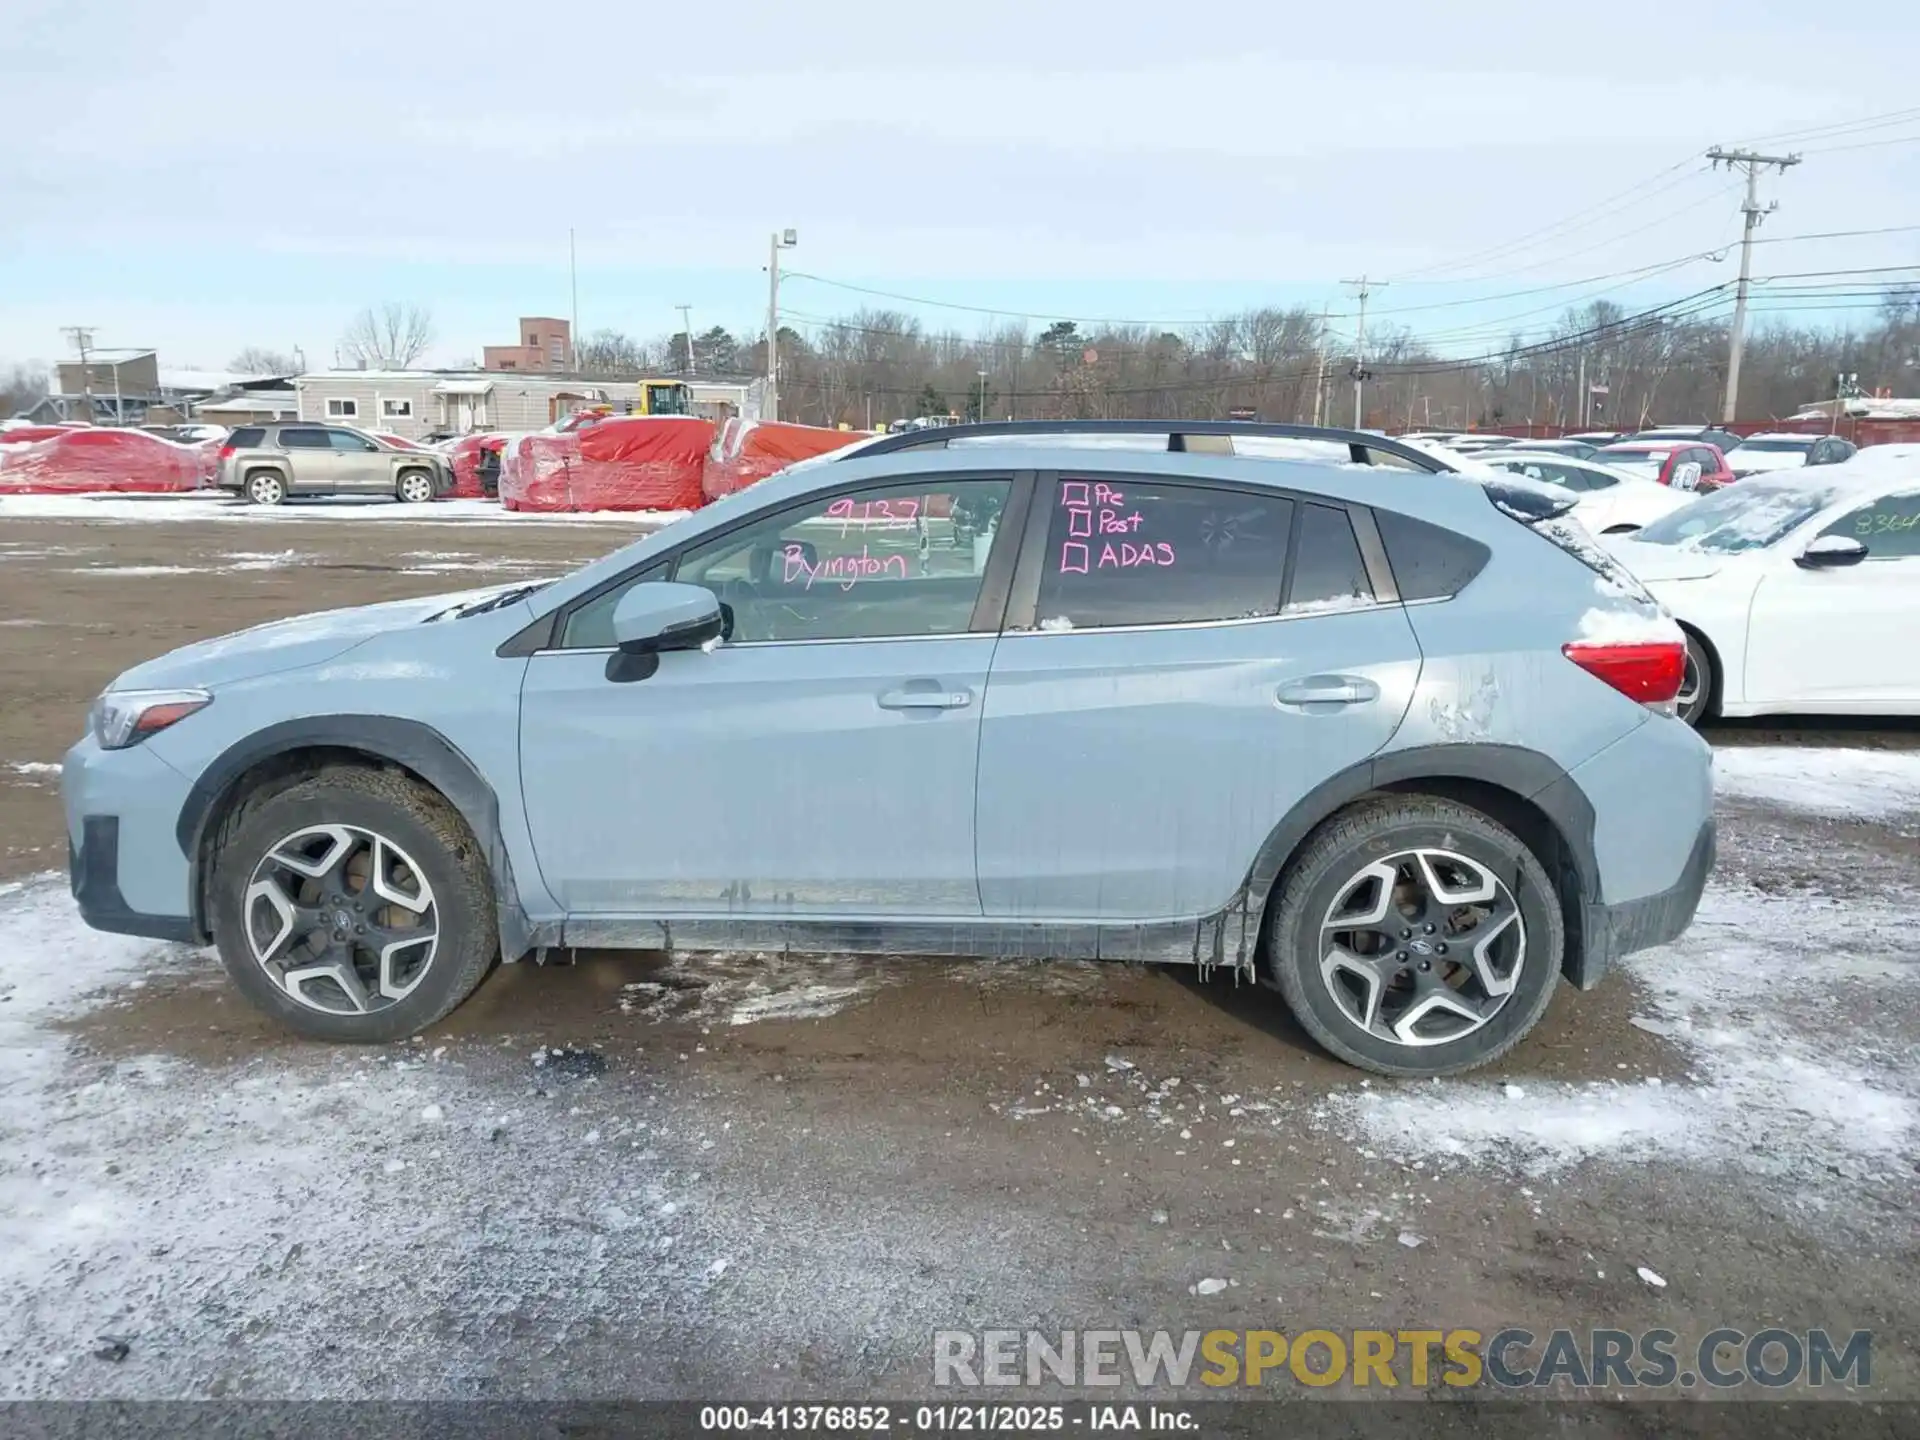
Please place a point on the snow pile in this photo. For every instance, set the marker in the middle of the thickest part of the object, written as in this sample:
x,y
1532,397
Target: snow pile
x,y
1647,625
743,988
1870,784
1772,1059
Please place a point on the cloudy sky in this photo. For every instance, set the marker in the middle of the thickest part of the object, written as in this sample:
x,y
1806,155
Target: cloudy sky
x,y
204,176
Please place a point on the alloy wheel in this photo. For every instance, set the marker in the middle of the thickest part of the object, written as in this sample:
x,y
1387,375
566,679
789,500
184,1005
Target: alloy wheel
x,y
416,489
1423,947
341,919
1692,686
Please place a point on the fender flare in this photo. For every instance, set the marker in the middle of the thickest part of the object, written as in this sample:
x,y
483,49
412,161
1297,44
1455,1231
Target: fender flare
x,y
1526,774
407,743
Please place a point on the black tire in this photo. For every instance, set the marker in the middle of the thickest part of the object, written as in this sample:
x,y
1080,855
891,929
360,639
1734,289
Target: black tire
x,y
1371,831
417,481
1700,690
428,831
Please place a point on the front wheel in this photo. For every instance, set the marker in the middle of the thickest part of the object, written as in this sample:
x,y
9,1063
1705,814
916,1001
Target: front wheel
x,y
353,906
1415,936
1699,685
416,487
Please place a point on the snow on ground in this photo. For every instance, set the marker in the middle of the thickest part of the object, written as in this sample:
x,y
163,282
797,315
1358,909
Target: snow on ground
x,y
739,988
35,769
205,506
1775,1000
1865,783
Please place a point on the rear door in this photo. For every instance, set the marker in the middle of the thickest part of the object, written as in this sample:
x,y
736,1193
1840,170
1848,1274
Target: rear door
x,y
310,460
1183,662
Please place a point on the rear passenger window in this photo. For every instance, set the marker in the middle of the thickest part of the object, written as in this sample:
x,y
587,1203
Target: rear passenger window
x,y
1428,562
305,440
1143,552
1328,573
246,437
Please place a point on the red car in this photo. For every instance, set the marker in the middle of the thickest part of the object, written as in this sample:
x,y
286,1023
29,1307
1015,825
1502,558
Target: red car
x,y
1680,464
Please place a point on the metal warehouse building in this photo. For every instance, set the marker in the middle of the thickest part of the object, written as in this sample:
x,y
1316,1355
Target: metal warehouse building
x,y
416,403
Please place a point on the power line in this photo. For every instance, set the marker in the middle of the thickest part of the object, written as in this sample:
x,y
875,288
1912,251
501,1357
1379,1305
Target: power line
x,y
1841,127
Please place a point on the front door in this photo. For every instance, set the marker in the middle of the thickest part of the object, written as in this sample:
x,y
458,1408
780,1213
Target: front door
x,y
1181,685
820,761
359,465
1843,637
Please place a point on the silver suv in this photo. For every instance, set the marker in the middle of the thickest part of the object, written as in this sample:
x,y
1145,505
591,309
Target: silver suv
x,y
268,463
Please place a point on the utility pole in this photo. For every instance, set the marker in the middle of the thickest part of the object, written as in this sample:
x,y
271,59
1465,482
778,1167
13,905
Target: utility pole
x,y
573,325
686,323
782,240
82,337
1320,371
1580,399
1753,164
1360,351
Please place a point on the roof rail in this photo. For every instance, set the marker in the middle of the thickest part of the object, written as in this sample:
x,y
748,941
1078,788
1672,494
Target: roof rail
x,y
1176,431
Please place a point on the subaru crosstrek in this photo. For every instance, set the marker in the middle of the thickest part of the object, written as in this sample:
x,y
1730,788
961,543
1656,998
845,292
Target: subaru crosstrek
x,y
1397,742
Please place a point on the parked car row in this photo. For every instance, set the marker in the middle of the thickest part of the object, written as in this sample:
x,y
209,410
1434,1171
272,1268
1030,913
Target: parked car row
x,y
268,464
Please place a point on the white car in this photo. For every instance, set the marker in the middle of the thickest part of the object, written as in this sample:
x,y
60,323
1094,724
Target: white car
x,y
1798,591
1759,453
1611,502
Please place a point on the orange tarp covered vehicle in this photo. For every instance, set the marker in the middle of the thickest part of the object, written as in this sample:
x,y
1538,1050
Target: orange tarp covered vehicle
x,y
750,450
623,462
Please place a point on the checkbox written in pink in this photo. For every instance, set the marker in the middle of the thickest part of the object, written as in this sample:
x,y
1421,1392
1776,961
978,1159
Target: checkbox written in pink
x,y
1073,559
1074,492
1080,522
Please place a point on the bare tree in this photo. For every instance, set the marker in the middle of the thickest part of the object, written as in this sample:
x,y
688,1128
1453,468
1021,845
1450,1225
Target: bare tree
x,y
258,360
20,388
389,337
611,355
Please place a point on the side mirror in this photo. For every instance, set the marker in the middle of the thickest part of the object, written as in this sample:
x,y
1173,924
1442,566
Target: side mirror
x,y
1831,552
661,616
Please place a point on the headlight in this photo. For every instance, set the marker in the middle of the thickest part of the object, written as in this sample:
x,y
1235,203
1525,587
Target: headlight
x,y
126,717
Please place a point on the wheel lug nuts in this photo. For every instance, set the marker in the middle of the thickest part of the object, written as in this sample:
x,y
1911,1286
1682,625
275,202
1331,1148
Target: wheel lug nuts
x,y
1406,934
1441,948
1401,956
1427,928
1426,965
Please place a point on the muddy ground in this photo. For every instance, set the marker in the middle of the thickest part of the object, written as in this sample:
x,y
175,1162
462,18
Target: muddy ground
x,y
746,1177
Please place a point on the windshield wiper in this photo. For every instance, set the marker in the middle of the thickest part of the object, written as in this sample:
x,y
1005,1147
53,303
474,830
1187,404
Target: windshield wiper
x,y
511,596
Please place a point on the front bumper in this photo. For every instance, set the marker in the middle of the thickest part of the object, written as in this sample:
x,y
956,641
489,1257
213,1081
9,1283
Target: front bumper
x,y
93,871
124,860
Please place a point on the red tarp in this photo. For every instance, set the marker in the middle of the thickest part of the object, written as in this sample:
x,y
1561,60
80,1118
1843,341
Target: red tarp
x,y
80,461
23,434
750,450
625,462
464,455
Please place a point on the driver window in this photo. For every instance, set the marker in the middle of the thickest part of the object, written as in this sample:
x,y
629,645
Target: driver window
x,y
901,561
1889,527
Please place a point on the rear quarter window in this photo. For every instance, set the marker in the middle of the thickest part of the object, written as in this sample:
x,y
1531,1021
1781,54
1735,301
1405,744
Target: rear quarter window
x,y
1429,562
246,437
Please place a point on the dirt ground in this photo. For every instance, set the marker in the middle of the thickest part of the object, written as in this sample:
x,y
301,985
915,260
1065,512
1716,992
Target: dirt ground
x,y
642,1175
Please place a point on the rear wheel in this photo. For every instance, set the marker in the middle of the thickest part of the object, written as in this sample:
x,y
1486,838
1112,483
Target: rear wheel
x,y
266,488
415,487
353,906
1416,936
1700,685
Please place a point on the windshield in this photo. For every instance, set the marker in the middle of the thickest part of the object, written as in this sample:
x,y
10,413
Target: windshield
x,y
1748,516
1776,446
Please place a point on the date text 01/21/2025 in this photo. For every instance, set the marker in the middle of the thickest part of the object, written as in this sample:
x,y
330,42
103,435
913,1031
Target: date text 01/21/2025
x,y
1095,511
947,1419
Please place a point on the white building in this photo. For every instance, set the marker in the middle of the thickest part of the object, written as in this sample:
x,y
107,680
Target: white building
x,y
417,403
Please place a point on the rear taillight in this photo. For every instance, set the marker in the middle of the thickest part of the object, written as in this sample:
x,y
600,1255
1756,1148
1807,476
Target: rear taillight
x,y
227,452
1649,672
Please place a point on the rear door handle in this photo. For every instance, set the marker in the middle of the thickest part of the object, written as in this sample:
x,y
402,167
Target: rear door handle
x,y
925,695
1328,690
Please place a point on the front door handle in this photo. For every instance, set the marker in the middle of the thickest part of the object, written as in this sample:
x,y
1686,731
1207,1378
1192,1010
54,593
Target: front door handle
x,y
925,695
1328,690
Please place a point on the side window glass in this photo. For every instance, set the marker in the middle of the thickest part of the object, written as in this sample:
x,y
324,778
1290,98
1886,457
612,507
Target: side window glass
x,y
1888,527
591,626
1428,562
1144,552
303,439
1328,573
347,440
902,561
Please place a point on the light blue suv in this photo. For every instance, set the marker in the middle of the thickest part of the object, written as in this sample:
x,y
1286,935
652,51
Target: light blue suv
x,y
1297,703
